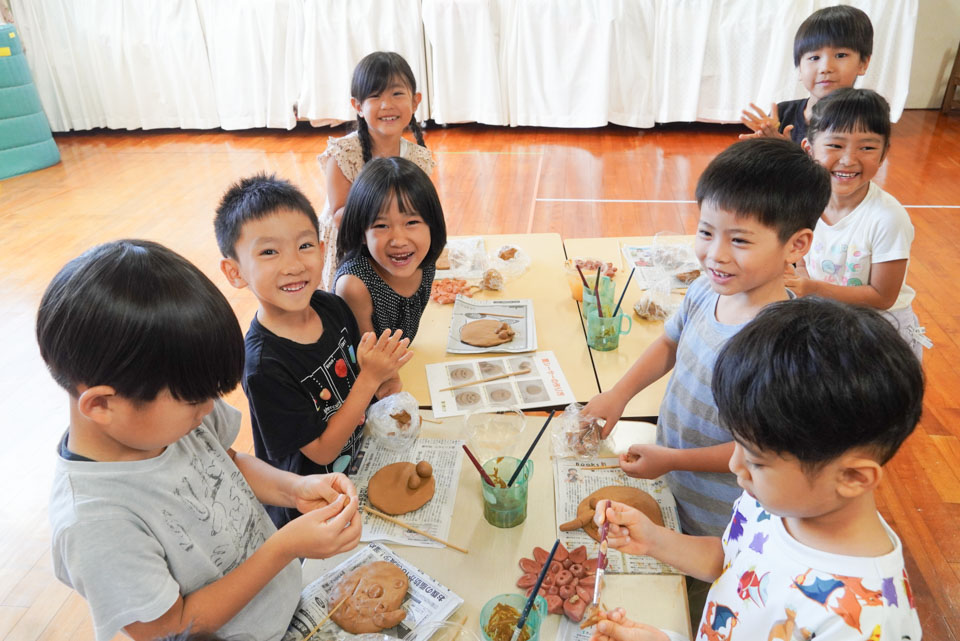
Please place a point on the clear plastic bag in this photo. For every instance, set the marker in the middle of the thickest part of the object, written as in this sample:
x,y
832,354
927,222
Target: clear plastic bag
x,y
395,421
575,434
656,303
511,261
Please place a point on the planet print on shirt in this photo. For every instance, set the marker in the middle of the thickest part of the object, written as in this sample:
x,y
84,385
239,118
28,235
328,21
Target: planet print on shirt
x,y
340,368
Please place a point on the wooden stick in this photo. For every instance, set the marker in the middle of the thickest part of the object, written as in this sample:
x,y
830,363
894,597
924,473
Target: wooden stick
x,y
431,420
386,517
485,380
317,627
500,315
598,467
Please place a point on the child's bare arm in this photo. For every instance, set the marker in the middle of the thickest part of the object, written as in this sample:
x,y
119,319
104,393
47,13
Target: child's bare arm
x,y
656,360
352,290
763,125
380,359
321,533
648,461
338,187
881,292
632,532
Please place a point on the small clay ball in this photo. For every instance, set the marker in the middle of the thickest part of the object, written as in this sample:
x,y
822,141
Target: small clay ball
x,y
424,470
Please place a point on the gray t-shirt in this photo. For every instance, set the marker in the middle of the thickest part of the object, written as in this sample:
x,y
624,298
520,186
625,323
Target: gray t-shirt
x,y
131,536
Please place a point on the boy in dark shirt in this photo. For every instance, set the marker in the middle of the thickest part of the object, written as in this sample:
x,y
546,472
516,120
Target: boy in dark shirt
x,y
831,50
308,376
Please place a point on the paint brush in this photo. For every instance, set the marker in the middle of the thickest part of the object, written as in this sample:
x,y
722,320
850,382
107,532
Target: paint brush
x,y
523,461
624,293
476,464
582,277
601,557
536,588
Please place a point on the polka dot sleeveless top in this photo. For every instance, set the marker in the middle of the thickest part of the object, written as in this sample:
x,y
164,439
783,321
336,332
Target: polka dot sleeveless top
x,y
390,309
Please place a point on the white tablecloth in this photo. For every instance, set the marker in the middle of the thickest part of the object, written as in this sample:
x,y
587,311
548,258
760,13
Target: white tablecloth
x,y
559,63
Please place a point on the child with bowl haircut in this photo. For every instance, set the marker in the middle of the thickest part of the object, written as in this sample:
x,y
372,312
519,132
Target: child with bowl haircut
x,y
861,244
819,395
759,201
831,49
309,376
155,520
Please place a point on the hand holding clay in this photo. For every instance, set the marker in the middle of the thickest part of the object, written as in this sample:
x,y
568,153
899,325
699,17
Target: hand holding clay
x,y
323,532
608,406
382,357
646,461
319,490
615,626
629,530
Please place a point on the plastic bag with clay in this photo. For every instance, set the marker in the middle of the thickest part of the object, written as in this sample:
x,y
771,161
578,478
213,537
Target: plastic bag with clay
x,y
575,434
656,304
395,421
511,261
466,257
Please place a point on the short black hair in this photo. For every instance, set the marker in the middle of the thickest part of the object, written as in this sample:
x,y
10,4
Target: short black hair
x,y
380,179
140,318
851,110
839,26
255,198
815,378
774,181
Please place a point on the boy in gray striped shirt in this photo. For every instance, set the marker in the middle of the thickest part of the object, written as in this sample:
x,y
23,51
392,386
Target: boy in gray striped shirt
x,y
759,201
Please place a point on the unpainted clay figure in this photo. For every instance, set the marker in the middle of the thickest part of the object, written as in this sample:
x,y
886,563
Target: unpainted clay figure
x,y
628,495
374,593
399,488
486,333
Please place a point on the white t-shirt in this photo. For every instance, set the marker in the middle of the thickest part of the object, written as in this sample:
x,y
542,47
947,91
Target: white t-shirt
x,y
132,536
774,587
877,231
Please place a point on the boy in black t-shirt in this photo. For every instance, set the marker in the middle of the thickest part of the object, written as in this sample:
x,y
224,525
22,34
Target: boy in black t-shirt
x,y
831,50
308,375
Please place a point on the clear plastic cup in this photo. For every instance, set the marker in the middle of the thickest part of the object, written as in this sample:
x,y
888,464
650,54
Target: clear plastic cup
x,y
538,611
506,507
493,432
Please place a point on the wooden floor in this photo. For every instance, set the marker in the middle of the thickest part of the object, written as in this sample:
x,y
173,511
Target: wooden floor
x,y
164,186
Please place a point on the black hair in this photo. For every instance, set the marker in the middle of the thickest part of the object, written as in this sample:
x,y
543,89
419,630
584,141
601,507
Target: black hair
x,y
839,26
851,110
774,181
371,76
380,179
814,378
140,318
255,198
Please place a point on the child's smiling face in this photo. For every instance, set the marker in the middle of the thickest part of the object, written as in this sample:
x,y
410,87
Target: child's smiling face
x,y
852,158
398,242
389,112
828,68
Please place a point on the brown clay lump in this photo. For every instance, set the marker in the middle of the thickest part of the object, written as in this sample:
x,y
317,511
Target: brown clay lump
x,y
399,488
486,333
629,495
374,593
507,252
403,420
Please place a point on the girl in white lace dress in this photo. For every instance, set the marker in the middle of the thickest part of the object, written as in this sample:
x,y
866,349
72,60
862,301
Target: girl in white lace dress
x,y
384,93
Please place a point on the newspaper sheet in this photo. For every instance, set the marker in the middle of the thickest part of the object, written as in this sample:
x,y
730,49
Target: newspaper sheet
x,y
445,455
544,386
427,599
572,486
648,272
518,314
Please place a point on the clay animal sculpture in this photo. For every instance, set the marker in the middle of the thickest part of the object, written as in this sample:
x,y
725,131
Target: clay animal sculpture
x,y
486,333
374,593
399,488
629,495
567,585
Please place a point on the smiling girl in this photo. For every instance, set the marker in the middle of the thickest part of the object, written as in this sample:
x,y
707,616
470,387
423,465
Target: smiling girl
x,y
861,244
390,237
384,95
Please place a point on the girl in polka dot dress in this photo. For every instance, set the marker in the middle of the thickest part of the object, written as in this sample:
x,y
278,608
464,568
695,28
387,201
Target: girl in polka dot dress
x,y
391,234
384,95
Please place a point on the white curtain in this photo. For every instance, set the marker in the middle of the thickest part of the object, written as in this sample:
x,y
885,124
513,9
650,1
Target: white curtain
x,y
254,52
558,63
337,34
